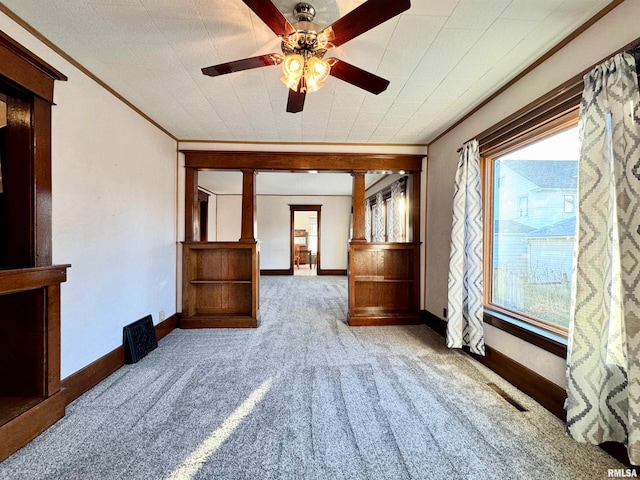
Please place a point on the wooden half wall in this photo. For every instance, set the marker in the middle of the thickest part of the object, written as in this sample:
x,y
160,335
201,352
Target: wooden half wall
x,y
380,293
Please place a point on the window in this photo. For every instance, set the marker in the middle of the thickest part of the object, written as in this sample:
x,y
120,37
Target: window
x,y
569,206
388,214
533,229
523,205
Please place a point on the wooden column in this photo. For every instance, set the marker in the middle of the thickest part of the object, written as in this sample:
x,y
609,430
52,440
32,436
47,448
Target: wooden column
x,y
358,235
249,218
190,204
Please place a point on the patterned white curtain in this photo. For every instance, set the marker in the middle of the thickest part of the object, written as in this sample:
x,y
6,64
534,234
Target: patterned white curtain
x,y
603,362
396,213
378,219
465,326
367,219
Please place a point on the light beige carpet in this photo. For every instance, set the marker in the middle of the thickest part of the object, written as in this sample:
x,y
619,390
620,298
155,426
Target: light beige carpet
x,y
304,396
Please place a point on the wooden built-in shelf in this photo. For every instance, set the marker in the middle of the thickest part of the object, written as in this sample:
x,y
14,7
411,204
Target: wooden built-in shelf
x,y
30,397
384,283
220,285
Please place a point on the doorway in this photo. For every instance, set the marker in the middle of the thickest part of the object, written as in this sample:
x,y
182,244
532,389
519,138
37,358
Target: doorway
x,y
305,239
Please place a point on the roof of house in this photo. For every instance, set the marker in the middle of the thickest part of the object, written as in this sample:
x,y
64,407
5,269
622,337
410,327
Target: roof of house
x,y
510,226
546,173
563,228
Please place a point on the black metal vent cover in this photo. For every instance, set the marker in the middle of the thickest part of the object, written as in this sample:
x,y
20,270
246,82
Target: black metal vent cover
x,y
139,339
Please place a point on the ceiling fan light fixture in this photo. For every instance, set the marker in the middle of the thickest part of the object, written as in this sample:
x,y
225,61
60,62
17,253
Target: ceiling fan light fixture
x,y
315,73
293,67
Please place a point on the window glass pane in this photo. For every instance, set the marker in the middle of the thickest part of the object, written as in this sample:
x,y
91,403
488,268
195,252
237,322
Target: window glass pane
x,y
534,228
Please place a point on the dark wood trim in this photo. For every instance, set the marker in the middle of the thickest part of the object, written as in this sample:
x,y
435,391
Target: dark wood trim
x,y
274,272
559,46
31,423
21,279
88,377
304,208
28,83
249,214
434,322
41,126
190,204
382,320
358,230
543,391
220,322
167,326
293,208
536,336
26,69
294,161
333,271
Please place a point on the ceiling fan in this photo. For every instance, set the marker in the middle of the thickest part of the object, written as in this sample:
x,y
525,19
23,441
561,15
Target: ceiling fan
x,y
305,43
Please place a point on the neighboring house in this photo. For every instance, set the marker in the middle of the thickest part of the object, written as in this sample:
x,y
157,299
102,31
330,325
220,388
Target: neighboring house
x,y
535,218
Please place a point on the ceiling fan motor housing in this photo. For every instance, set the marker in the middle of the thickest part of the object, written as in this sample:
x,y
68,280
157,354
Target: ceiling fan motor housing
x,y
304,41
304,12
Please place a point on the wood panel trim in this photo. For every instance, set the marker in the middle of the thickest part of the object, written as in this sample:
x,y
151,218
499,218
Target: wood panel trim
x,y
536,336
25,427
293,161
167,326
333,271
42,197
26,69
273,272
88,377
18,280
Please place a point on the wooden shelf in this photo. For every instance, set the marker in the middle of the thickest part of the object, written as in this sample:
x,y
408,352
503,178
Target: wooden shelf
x,y
384,284
29,354
220,288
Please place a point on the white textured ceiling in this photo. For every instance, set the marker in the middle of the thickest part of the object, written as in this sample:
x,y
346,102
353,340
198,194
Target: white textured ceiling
x,y
443,57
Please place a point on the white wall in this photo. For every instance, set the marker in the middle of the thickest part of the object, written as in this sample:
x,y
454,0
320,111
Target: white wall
x,y
614,31
274,223
228,218
114,212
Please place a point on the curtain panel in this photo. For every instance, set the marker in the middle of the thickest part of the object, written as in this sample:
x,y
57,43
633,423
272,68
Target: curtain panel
x,y
603,362
396,222
367,219
377,234
465,295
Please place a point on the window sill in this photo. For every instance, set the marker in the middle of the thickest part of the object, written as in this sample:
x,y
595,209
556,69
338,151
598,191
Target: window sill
x,y
548,341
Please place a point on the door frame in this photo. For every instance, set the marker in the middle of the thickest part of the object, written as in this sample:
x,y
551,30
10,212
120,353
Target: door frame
x,y
304,208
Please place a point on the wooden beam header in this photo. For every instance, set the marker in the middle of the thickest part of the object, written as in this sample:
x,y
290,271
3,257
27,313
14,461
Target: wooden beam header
x,y
296,161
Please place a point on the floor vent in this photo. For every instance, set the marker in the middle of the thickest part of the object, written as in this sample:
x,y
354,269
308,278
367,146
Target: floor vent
x,y
507,397
139,338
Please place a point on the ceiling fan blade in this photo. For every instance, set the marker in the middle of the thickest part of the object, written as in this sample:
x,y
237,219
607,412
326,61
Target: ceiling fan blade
x,y
358,77
244,64
295,103
367,16
271,16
